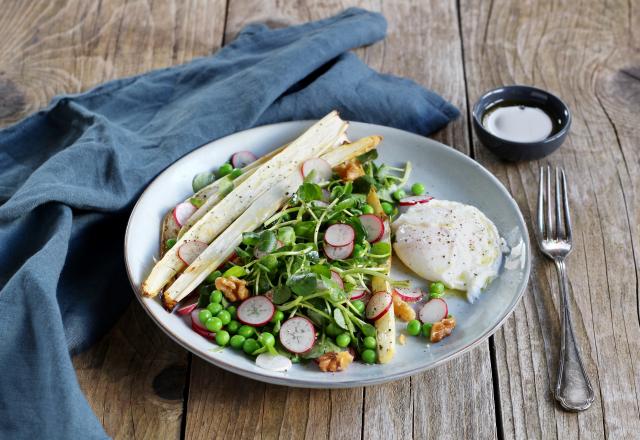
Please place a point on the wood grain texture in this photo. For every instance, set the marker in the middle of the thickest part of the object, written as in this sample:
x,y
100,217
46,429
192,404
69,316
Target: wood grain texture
x,y
134,379
410,408
587,53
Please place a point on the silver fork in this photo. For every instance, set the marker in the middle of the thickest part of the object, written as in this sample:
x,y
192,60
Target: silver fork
x,y
573,389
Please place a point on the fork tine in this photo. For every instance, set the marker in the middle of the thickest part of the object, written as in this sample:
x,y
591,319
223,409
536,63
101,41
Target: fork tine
x,y
549,222
565,202
558,207
541,205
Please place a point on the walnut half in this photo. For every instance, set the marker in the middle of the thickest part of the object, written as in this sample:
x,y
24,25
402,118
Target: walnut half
x,y
234,289
442,329
332,362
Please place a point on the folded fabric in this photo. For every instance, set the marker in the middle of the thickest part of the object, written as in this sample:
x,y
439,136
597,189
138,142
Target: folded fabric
x,y
69,175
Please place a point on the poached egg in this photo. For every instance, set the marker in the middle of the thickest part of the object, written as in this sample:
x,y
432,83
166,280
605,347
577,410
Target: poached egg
x,y
449,242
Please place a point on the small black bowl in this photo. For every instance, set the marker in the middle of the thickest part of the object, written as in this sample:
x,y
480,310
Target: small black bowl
x,y
522,95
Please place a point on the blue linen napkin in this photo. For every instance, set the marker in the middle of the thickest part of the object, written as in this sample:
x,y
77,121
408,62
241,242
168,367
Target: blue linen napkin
x,y
69,175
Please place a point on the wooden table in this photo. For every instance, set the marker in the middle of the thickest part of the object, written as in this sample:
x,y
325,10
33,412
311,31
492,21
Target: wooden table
x,y
142,385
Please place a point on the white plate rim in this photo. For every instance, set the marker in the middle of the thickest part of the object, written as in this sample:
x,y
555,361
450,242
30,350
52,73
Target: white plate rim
x,y
293,382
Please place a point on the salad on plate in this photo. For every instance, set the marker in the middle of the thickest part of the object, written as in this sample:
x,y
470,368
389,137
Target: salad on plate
x,y
287,257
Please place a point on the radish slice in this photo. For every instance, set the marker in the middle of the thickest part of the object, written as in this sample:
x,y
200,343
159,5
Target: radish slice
x,y
297,335
321,167
409,295
242,158
204,333
374,227
182,212
185,310
358,294
414,200
338,252
434,311
339,235
190,249
326,195
256,311
335,277
378,305
198,327
273,362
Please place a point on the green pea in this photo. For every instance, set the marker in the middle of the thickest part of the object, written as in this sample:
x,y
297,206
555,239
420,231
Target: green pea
x,y
414,327
399,194
215,297
387,208
170,243
214,308
367,209
436,287
237,341
222,338
237,172
277,316
417,189
359,305
225,169
211,278
250,345
333,330
246,331
203,315
233,327
232,311
343,340
267,339
426,329
369,342
435,295
368,356
358,251
213,324
224,316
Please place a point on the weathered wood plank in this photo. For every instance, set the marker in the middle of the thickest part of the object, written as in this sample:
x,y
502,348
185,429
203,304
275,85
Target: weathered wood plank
x,y
586,52
409,50
134,378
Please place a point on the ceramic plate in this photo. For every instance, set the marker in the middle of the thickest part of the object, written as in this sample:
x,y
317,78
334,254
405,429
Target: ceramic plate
x,y
446,173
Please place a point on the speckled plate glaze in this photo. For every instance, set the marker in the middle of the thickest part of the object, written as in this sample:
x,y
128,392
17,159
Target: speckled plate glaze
x,y
446,173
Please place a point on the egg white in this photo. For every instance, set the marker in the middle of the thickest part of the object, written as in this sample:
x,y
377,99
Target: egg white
x,y
449,242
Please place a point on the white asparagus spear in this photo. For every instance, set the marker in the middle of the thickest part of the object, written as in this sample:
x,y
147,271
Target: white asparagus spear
x,y
313,142
386,324
264,207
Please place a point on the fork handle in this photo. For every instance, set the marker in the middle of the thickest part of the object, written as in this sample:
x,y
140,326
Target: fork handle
x,y
573,390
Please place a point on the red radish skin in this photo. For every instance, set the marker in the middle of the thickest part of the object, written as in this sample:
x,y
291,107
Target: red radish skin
x,y
409,295
338,253
242,158
339,235
378,305
434,310
415,200
374,226
256,311
182,212
336,277
185,310
357,294
297,334
321,167
190,249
